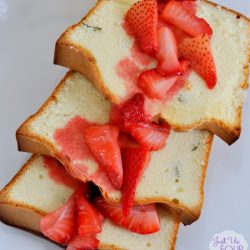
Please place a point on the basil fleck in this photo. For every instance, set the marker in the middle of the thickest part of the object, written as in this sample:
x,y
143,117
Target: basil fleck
x,y
94,28
181,98
195,147
177,174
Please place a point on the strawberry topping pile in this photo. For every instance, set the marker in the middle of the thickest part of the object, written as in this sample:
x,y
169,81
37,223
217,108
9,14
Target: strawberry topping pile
x,y
177,37
75,224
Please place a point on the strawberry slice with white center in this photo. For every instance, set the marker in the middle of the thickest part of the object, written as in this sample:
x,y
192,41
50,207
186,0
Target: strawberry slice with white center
x,y
198,51
103,144
156,86
151,136
135,161
142,19
167,57
127,141
175,13
130,111
141,220
190,5
59,226
83,243
89,219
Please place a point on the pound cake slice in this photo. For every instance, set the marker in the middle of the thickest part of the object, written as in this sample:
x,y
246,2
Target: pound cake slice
x,y
174,175
100,47
35,191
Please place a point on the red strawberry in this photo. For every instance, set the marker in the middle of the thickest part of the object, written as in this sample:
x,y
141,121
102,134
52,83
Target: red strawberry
x,y
198,51
59,226
142,19
167,57
102,142
180,35
127,141
131,111
156,86
141,220
89,219
151,136
161,5
83,243
134,161
190,5
178,15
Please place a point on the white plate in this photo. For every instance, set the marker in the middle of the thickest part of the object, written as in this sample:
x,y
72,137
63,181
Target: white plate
x,y
28,31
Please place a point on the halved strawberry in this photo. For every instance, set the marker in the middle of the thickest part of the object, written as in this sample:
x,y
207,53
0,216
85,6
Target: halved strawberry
x,y
190,5
102,142
127,141
180,35
156,86
167,57
89,219
198,51
134,161
83,243
141,220
151,136
130,111
178,15
142,19
59,226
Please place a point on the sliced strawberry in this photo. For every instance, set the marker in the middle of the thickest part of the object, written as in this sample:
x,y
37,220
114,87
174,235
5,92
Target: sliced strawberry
x,y
161,5
180,35
134,161
151,136
190,5
141,220
83,243
59,226
131,111
102,142
156,86
127,141
198,51
178,15
89,219
142,19
167,57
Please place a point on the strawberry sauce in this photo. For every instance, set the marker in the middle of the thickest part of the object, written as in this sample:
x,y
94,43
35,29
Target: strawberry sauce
x,y
58,174
75,154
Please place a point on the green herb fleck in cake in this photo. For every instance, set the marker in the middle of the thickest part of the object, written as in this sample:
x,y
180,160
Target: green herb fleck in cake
x,y
94,28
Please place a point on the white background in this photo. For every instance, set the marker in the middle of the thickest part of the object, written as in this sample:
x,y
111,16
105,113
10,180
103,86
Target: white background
x,y
28,31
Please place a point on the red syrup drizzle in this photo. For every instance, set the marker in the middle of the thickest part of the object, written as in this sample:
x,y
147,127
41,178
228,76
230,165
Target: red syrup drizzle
x,y
75,153
130,67
58,173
